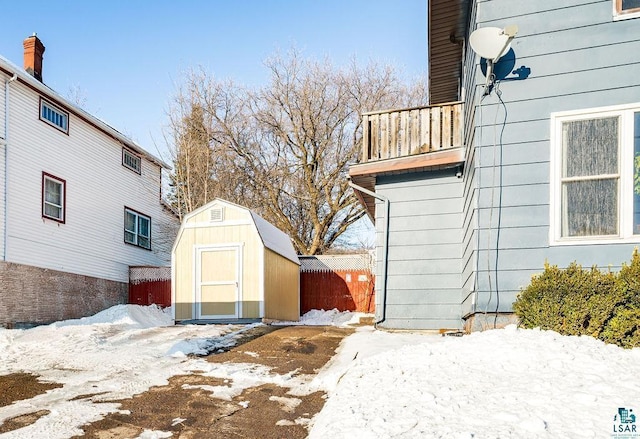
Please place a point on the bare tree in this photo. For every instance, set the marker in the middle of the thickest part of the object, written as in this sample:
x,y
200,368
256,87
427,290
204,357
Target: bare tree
x,y
191,178
284,150
77,96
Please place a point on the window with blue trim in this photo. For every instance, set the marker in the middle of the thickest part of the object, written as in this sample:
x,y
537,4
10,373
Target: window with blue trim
x,y
131,161
54,116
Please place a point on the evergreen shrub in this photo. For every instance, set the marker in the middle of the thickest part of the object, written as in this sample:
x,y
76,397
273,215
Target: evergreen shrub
x,y
577,301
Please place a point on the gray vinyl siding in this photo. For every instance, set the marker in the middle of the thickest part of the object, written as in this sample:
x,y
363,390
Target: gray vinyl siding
x,y
470,196
424,255
579,58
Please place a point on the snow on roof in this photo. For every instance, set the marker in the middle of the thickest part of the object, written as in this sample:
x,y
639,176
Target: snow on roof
x,y
10,68
274,239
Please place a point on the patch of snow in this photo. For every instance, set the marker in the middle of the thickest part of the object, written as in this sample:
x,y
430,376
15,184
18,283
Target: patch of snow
x,y
206,346
284,423
226,393
320,317
177,421
507,383
244,404
252,354
131,315
151,434
287,404
115,354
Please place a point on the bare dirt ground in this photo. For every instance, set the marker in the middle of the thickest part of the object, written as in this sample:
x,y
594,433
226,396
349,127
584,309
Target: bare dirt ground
x,y
19,386
259,412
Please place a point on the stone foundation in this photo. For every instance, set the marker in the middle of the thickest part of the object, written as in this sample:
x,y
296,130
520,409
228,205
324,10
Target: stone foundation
x,y
31,295
482,322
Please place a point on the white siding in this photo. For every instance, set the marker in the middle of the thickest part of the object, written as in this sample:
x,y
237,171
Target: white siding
x,y
3,136
3,79
98,187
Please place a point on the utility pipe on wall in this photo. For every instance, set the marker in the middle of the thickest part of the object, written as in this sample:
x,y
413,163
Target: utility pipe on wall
x,y
385,246
7,83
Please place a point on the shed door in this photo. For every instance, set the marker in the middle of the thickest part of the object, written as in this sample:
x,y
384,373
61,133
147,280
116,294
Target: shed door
x,y
217,282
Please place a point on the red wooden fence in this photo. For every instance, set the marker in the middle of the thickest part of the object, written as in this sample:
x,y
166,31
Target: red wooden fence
x,y
344,282
150,285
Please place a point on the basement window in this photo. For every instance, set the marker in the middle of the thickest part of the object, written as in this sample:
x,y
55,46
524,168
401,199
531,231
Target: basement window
x,y
623,9
131,161
54,116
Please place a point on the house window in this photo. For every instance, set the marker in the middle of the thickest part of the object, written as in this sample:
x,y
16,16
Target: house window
x,y
626,9
131,161
596,175
54,116
137,229
53,197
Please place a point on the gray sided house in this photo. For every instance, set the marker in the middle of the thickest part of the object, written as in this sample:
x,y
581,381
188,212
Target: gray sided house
x,y
472,194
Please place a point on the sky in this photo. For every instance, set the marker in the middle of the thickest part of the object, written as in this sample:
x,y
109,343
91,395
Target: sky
x,y
125,59
506,383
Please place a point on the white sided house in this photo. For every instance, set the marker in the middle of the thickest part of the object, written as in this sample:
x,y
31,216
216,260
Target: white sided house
x,y
79,203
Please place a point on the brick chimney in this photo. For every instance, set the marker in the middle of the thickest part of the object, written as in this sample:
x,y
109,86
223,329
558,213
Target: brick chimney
x,y
33,51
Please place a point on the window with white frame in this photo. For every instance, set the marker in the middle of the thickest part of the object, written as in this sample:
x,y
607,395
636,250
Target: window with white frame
x,y
596,175
137,229
54,116
131,161
53,197
626,9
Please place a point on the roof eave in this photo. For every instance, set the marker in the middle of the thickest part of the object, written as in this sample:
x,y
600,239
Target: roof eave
x,y
10,69
365,174
447,29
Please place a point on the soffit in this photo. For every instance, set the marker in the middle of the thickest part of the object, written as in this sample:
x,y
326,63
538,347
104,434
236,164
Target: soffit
x,y
364,174
447,27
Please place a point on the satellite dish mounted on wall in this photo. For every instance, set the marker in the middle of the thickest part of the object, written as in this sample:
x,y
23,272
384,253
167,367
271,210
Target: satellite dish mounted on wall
x,y
491,43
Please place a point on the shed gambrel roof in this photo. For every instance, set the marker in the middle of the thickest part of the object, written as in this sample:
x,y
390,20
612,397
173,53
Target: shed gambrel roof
x,y
25,78
272,237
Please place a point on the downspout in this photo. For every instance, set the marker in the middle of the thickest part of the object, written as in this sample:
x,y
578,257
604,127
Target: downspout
x,y
385,246
6,161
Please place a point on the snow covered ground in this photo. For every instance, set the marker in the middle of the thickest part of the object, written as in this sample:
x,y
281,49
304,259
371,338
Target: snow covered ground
x,y
508,383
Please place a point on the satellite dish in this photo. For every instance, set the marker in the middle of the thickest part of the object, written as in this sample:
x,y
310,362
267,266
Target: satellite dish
x,y
501,68
492,42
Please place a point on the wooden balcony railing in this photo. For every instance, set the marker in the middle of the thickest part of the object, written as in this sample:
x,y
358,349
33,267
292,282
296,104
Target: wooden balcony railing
x,y
400,133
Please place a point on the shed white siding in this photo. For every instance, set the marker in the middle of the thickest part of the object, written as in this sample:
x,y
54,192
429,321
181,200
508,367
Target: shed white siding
x,y
266,277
